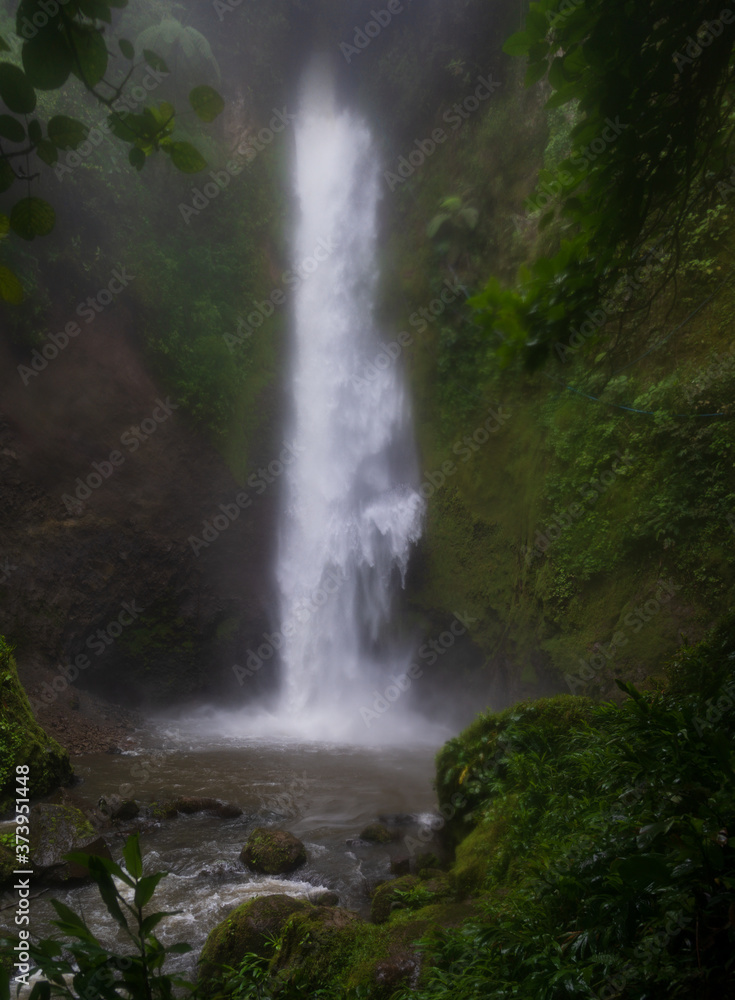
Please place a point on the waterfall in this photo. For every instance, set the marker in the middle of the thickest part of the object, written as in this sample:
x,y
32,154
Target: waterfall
x,y
351,507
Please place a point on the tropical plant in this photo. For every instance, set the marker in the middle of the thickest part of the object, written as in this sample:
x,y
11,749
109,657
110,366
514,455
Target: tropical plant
x,y
60,40
82,967
653,84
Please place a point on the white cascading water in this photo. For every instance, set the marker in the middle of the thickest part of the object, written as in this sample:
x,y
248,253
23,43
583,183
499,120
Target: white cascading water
x,y
352,507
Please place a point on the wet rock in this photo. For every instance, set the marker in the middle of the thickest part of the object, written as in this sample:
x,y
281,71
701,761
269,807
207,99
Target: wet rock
x,y
400,866
118,808
325,899
246,929
377,833
273,852
401,969
309,942
386,897
188,805
55,831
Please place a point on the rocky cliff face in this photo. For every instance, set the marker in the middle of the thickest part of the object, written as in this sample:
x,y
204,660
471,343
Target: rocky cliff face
x,y
106,490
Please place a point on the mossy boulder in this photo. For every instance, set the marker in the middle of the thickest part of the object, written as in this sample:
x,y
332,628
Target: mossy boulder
x,y
387,897
377,833
273,852
23,742
56,830
316,945
246,929
465,764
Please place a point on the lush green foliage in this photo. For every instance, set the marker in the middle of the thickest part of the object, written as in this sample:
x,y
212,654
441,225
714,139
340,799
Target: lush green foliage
x,y
71,40
22,741
652,135
82,967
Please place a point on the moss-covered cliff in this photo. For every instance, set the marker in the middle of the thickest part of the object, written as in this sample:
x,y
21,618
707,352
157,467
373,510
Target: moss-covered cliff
x,y
23,742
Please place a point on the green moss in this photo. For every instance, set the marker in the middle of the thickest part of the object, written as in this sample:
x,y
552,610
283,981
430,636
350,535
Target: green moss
x,y
23,742
246,930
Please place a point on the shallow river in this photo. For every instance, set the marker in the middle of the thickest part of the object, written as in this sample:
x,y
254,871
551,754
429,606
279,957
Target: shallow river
x,y
323,793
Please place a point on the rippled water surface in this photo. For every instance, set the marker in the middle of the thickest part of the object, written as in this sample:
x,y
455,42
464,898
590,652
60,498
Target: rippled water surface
x,y
323,793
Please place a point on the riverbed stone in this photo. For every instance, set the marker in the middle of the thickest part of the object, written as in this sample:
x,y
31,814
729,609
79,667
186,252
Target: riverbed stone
x,y
55,831
377,833
246,929
118,808
310,941
273,852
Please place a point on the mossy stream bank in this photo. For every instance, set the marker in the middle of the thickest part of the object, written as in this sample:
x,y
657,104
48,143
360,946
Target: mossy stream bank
x,y
592,856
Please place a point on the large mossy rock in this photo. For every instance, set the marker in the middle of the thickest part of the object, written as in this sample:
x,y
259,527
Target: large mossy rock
x,y
387,897
273,852
55,831
23,742
246,929
316,945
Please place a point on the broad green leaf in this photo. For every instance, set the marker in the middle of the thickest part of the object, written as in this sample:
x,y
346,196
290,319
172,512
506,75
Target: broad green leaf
x,y
67,133
534,73
186,157
48,61
518,44
131,854
34,131
436,223
155,61
32,217
146,887
96,10
16,90
6,175
137,158
107,890
4,225
153,919
91,51
47,152
206,102
11,289
127,49
4,47
11,128
111,867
